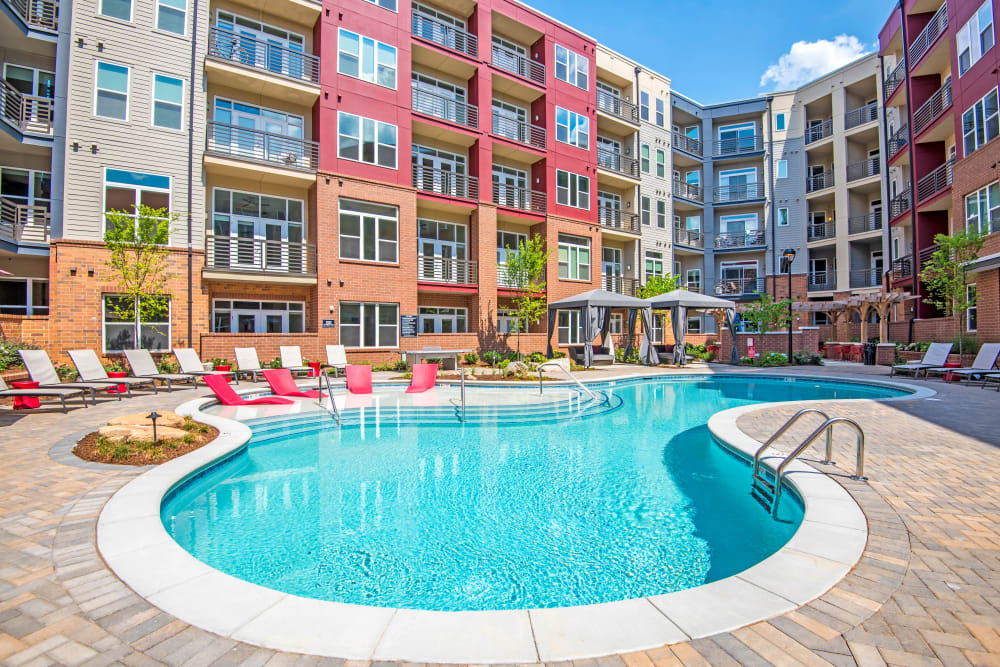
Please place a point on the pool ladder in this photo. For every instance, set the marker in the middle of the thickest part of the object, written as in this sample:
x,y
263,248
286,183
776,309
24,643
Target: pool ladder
x,y
768,493
324,378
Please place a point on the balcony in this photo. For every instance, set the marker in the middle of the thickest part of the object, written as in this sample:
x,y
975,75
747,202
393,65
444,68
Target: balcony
x,y
690,191
256,66
37,14
23,224
820,281
895,79
445,108
860,116
235,258
447,270
902,267
934,29
28,114
869,222
820,231
933,108
617,220
518,64
519,198
819,181
737,146
693,287
620,285
937,181
692,238
897,141
865,278
739,287
730,194
863,169
617,163
297,159
899,205
687,144
754,238
445,35
519,131
445,182
617,107
819,131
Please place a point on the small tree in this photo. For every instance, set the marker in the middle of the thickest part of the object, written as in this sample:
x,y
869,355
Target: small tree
x,y
767,314
523,272
944,274
657,285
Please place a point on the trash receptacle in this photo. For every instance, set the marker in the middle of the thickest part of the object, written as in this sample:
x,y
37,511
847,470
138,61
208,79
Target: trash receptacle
x,y
869,353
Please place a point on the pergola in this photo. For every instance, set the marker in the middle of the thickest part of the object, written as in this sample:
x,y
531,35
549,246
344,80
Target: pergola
x,y
863,304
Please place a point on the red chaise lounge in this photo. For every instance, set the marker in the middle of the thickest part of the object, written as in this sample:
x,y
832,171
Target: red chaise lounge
x,y
219,384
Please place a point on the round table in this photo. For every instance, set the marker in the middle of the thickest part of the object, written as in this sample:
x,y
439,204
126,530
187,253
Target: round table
x,y
25,402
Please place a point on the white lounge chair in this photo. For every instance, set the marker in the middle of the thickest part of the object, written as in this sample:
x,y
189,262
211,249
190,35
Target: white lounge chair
x,y
42,371
935,357
336,358
247,362
985,361
90,369
59,392
142,365
291,358
191,364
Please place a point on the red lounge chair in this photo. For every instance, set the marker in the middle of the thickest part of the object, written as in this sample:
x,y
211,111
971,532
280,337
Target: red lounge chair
x,y
424,378
359,379
282,384
219,384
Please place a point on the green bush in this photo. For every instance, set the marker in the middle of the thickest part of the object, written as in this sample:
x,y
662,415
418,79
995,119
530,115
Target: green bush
x,y
558,354
9,358
512,356
766,361
806,358
66,373
168,366
536,357
969,344
491,357
274,363
619,354
471,358
504,364
217,361
115,366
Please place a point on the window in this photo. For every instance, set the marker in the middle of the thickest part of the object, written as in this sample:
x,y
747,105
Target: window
x,y
617,324
253,231
366,59
168,101
660,112
782,217
117,9
661,163
981,124
506,321
123,332
982,210
572,128
508,241
366,140
694,280
975,38
657,333
570,331
644,158
572,189
694,325
646,207
369,324
571,67
782,168
368,232
126,191
644,105
275,317
171,16
24,296
654,263
111,91
388,4
972,314
779,121
25,186
661,214
574,257
441,320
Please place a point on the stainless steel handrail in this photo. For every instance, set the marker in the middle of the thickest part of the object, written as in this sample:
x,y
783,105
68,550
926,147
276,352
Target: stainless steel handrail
x,y
325,377
781,431
592,395
827,427
463,393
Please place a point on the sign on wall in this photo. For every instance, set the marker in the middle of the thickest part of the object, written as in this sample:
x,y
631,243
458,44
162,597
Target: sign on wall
x,y
329,324
408,326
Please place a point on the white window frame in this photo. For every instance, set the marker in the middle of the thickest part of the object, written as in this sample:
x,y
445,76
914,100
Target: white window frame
x,y
459,318
385,4
136,327
646,210
969,38
138,200
154,101
980,127
780,122
131,11
653,263
572,194
982,209
972,312
644,105
360,56
379,241
363,306
573,62
660,112
645,160
694,329
574,248
737,127
128,89
259,313
783,216
29,308
782,169
570,328
377,127
161,4
661,213
661,163
576,128
696,274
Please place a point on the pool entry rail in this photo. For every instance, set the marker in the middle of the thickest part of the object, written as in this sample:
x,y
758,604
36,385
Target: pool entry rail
x,y
324,378
572,377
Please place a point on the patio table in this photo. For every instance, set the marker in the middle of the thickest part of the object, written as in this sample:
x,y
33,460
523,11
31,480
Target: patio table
x,y
419,355
25,402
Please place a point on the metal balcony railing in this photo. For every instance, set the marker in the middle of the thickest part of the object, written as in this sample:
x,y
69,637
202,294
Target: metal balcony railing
x,y
865,278
690,191
23,223
866,114
819,281
620,285
445,35
725,194
28,113
895,79
265,147
863,169
445,182
518,130
821,230
693,287
925,254
819,131
693,238
687,144
431,268
738,146
520,198
739,287
262,56
618,163
933,108
516,63
937,181
869,222
616,106
615,218
897,141
445,108
819,181
934,29
254,255
902,267
43,14
899,204
754,238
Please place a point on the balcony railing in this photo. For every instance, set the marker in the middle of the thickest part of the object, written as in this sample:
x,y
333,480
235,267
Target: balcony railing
x,y
865,278
693,238
754,238
821,230
819,131
518,130
819,181
28,113
445,35
616,106
43,14
936,181
821,280
23,223
869,222
445,108
521,198
265,147
518,64
431,268
263,56
866,114
738,146
252,255
690,191
895,79
863,169
724,194
614,218
693,287
925,254
739,287
899,204
897,141
620,285
616,162
902,267
923,42
932,109
687,144
445,182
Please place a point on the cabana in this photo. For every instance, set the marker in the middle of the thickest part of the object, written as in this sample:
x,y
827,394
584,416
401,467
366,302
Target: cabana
x,y
595,309
679,302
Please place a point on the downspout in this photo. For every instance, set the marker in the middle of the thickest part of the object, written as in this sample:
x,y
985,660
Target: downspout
x,y
639,257
913,173
190,176
770,185
884,173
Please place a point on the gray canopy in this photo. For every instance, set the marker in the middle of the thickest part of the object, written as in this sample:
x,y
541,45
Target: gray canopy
x,y
680,301
595,309
599,298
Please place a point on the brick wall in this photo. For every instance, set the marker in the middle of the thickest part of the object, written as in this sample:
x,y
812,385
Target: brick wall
x,y
806,339
33,330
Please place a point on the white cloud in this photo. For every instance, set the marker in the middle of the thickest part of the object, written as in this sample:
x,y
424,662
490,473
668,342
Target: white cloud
x,y
806,61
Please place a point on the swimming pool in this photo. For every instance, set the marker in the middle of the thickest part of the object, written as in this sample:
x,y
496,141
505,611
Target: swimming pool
x,y
630,502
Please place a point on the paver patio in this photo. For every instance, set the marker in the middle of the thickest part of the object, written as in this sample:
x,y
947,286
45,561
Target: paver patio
x,y
927,590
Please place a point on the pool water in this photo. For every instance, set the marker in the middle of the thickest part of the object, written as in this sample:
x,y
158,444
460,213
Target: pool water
x,y
634,502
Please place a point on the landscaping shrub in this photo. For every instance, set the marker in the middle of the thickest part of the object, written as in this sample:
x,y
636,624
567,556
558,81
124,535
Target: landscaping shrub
x,y
504,364
969,344
166,365
558,354
536,357
491,357
115,366
512,356
9,358
807,358
66,373
766,361
471,358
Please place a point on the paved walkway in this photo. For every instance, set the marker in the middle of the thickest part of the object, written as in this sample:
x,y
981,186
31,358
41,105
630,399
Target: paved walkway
x,y
927,590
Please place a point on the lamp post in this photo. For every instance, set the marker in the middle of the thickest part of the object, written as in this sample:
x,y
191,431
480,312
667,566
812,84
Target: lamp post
x,y
787,256
153,416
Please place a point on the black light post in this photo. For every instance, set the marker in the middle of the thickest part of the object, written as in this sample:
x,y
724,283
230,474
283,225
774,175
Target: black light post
x,y
153,416
787,256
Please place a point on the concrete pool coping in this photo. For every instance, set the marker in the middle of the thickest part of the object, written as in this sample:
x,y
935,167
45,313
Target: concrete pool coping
x,y
135,545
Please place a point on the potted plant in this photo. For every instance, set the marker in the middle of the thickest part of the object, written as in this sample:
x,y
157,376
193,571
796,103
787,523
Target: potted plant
x,y
221,364
116,369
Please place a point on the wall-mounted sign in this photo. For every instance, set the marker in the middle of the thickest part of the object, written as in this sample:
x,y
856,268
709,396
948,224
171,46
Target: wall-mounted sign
x,y
329,324
408,326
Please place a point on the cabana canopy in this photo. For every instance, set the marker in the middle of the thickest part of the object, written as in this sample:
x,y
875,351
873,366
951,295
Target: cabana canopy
x,y
599,298
595,309
679,301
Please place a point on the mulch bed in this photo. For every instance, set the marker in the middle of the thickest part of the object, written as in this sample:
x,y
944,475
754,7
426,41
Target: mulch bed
x,y
87,450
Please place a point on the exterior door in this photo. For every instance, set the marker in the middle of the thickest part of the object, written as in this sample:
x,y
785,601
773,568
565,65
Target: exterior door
x,y
608,151
875,214
442,99
510,186
510,121
609,209
439,171
611,268
876,268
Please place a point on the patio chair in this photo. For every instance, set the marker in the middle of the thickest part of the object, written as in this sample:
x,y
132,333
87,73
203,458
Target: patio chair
x,y
41,370
424,378
142,365
336,358
61,393
90,369
359,379
991,377
228,396
935,357
281,382
291,358
247,362
984,362
190,364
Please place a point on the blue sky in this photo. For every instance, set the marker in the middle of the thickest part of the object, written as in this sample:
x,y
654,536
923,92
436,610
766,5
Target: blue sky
x,y
715,51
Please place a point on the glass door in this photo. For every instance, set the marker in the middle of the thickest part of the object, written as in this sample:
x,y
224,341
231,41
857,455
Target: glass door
x,y
510,121
510,186
608,152
611,268
439,171
441,246
609,208
438,98
876,268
